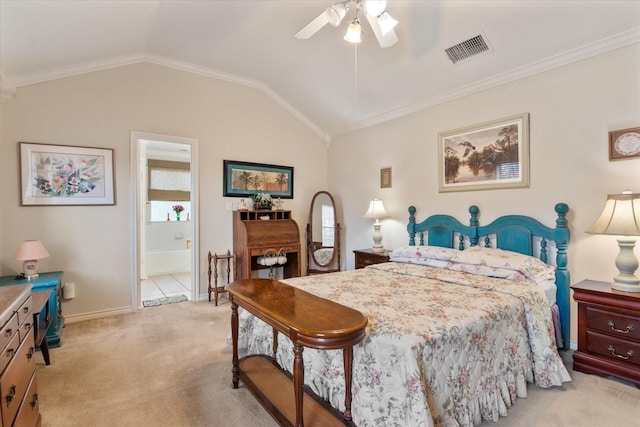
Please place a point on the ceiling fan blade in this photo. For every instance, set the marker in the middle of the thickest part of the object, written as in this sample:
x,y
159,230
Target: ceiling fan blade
x,y
385,40
313,27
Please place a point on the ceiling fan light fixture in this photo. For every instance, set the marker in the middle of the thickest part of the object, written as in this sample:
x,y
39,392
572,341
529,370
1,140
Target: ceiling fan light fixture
x,y
374,7
387,23
354,32
336,13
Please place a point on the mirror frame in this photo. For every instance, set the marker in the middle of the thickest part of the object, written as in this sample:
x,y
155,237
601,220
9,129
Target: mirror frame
x,y
329,266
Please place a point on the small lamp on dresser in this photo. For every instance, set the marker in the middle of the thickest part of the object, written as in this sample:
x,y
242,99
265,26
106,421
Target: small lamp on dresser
x,y
376,210
621,217
30,251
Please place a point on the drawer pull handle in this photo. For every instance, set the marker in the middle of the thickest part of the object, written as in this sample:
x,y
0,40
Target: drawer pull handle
x,y
31,352
11,395
612,349
8,332
612,325
368,261
34,402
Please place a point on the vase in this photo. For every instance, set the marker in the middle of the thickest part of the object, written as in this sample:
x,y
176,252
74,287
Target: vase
x,y
177,216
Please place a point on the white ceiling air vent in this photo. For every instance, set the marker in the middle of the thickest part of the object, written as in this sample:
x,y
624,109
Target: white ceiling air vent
x,y
468,49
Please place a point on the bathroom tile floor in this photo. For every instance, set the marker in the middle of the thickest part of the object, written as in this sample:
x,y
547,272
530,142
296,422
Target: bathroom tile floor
x,y
166,285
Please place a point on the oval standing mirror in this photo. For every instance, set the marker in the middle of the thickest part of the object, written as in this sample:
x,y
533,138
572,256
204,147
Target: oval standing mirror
x,y
323,235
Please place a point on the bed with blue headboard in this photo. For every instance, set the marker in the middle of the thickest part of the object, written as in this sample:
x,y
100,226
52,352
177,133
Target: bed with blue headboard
x,y
458,323
516,233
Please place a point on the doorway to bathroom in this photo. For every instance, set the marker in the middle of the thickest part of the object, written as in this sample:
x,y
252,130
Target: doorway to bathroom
x,y
166,220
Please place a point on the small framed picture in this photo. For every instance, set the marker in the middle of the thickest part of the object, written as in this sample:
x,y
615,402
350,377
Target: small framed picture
x,y
385,178
624,144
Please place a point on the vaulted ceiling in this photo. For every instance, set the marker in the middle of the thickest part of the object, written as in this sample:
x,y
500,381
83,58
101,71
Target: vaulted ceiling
x,y
331,85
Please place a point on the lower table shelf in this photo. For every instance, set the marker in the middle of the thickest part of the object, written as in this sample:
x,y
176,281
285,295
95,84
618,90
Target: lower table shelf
x,y
263,378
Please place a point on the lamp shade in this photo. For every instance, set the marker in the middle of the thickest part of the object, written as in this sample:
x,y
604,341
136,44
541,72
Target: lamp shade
x,y
376,210
30,250
620,216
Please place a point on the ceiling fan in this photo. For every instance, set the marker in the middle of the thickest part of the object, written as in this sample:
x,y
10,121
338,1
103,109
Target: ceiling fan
x,y
379,19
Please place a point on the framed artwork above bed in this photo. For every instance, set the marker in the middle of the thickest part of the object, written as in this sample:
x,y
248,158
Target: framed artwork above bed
x,y
487,156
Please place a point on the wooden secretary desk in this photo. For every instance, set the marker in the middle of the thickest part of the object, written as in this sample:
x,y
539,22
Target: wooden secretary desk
x,y
255,232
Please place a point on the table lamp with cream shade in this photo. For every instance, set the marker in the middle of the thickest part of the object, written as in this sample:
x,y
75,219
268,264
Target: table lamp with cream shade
x,y
621,217
30,251
376,210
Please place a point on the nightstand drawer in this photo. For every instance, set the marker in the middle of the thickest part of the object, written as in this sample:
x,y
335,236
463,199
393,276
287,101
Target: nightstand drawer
x,y
613,348
366,257
614,324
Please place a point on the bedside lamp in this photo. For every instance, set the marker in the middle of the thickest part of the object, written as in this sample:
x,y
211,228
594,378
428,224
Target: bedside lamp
x,y
621,216
376,211
30,251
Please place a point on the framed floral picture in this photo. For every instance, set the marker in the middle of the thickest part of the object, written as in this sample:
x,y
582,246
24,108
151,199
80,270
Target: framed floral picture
x,y
487,156
57,175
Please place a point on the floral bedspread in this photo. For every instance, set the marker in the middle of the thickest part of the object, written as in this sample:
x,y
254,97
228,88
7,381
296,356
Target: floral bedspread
x,y
443,348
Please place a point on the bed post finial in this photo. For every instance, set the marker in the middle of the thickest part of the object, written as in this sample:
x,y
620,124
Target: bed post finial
x,y
561,210
411,227
473,222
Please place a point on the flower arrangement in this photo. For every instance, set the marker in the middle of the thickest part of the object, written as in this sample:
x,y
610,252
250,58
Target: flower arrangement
x,y
177,209
262,201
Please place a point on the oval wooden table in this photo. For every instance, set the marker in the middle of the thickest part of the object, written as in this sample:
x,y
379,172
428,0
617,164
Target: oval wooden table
x,y
308,321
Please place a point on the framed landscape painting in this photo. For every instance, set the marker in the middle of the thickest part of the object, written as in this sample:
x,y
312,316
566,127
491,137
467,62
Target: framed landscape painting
x,y
242,179
487,156
57,175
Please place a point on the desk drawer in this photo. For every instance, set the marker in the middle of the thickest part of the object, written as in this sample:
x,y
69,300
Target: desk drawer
x,y
615,324
15,380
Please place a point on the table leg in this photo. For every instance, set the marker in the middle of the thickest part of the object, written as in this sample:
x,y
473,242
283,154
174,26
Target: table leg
x,y
234,338
298,382
347,355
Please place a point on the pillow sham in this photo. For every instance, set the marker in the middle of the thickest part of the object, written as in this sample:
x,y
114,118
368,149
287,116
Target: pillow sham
x,y
531,267
426,252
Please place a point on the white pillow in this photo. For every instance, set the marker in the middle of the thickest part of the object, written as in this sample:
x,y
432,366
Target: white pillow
x,y
427,252
532,268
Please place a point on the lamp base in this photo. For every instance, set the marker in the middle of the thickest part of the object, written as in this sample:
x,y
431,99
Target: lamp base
x,y
627,264
30,268
377,238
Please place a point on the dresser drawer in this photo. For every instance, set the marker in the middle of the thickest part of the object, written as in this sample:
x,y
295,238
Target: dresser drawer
x,y
24,312
15,380
9,352
613,348
29,411
364,259
9,330
615,324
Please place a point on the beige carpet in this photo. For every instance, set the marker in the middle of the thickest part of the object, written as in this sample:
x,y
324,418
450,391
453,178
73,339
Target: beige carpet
x,y
170,366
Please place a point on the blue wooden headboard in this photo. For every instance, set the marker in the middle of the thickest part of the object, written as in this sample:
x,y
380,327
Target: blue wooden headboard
x,y
517,233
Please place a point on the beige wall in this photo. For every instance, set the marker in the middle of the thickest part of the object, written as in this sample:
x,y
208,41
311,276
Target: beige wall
x,y
93,244
571,109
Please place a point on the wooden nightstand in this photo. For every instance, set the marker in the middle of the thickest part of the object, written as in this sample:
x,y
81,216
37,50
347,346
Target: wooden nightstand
x,y
365,257
608,331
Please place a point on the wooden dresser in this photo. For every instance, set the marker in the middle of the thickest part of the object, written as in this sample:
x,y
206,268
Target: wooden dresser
x,y
18,385
256,231
608,331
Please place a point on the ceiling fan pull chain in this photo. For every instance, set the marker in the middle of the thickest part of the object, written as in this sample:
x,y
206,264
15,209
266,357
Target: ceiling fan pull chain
x,y
355,72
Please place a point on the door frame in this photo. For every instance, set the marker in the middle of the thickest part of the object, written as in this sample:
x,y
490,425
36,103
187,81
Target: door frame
x,y
137,169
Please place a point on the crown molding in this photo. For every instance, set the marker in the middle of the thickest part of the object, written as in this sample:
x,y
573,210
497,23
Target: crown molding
x,y
231,78
7,87
594,49
92,66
